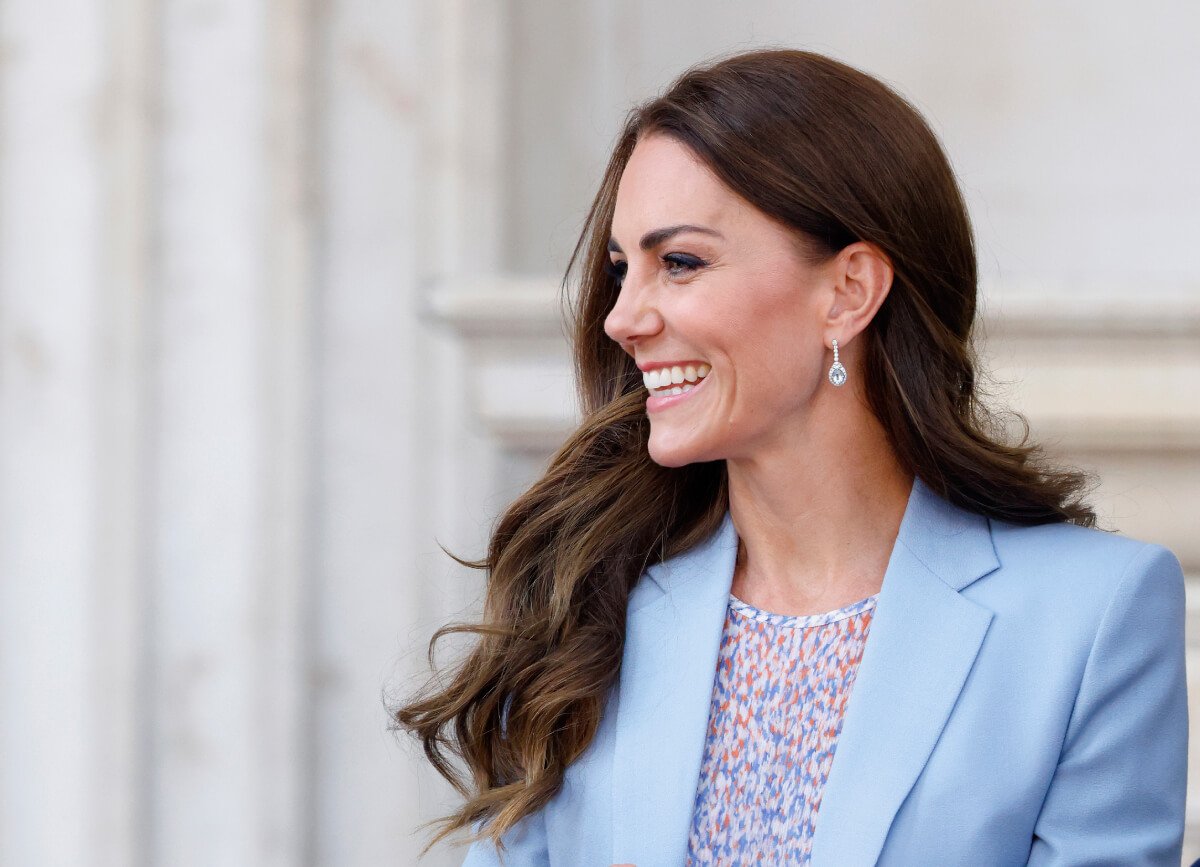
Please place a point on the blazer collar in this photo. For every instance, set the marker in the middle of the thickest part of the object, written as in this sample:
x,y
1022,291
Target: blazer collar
x,y
923,640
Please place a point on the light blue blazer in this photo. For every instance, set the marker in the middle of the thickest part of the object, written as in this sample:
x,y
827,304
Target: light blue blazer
x,y
1021,699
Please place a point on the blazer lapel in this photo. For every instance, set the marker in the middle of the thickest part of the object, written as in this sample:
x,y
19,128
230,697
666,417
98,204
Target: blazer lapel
x,y
922,643
923,640
672,641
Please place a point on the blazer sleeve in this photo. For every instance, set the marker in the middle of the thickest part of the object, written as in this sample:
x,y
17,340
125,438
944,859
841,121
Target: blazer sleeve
x,y
524,846
1117,795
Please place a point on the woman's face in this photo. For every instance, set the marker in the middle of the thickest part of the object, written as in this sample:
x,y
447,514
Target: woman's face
x,y
732,292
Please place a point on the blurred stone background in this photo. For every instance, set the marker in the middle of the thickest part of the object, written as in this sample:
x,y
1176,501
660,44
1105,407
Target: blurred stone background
x,y
278,287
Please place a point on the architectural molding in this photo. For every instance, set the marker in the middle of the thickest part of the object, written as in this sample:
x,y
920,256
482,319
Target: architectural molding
x,y
1117,378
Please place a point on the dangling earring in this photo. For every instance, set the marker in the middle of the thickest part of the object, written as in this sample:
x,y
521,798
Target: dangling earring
x,y
837,373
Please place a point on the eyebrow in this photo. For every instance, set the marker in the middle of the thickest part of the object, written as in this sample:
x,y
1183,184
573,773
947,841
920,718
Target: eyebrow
x,y
653,238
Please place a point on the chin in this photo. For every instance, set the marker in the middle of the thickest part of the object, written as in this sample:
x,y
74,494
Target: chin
x,y
675,454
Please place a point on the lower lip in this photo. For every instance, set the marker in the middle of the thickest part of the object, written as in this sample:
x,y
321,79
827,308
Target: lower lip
x,y
655,402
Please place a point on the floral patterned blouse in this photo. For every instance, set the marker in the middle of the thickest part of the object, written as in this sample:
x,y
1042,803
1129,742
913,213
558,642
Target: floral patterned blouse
x,y
781,688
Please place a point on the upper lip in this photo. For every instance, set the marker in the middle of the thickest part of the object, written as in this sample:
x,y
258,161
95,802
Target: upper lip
x,y
647,366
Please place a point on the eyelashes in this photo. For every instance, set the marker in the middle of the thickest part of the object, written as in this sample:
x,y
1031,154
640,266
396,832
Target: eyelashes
x,y
675,263
615,270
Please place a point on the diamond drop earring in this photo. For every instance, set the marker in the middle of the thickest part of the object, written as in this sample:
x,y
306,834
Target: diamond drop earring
x,y
837,373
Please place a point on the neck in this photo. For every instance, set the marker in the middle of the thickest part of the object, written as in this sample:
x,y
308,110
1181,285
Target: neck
x,y
816,533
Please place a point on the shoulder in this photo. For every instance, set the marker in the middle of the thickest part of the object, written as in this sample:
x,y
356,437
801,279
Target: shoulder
x,y
1073,553
1068,574
1062,539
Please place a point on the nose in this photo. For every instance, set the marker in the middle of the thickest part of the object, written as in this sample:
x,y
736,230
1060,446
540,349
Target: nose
x,y
632,318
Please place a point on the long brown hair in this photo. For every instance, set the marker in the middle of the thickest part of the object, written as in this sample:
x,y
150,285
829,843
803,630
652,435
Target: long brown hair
x,y
838,156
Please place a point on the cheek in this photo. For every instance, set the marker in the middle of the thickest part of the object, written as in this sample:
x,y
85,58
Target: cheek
x,y
772,350
760,334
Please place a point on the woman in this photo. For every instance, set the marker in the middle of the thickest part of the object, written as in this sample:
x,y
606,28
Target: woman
x,y
788,531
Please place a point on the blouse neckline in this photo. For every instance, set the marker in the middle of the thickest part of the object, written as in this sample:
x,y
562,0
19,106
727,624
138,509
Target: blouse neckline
x,y
800,621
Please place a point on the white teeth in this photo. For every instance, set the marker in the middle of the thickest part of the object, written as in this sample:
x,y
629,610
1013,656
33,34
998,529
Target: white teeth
x,y
661,379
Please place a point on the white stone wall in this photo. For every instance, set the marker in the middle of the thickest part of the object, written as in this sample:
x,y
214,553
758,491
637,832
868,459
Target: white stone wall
x,y
277,317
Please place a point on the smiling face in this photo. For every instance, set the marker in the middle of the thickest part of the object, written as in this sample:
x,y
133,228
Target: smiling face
x,y
730,291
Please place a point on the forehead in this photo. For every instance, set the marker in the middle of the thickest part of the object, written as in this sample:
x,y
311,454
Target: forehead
x,y
664,183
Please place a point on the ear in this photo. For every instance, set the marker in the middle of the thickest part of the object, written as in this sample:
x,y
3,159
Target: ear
x,y
862,275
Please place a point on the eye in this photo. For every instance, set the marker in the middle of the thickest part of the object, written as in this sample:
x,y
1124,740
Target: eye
x,y
682,264
676,264
615,270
